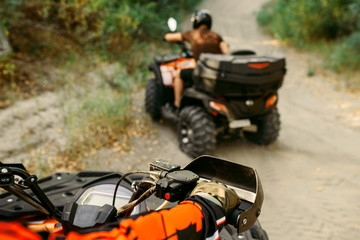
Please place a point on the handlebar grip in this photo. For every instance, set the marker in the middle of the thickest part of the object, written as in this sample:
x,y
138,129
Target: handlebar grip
x,y
233,217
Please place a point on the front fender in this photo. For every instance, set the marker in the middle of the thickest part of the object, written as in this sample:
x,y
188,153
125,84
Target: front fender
x,y
193,97
156,70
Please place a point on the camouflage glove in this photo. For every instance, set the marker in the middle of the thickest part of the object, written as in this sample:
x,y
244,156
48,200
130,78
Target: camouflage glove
x,y
219,194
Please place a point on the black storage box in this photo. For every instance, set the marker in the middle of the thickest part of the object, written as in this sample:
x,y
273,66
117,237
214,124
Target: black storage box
x,y
229,75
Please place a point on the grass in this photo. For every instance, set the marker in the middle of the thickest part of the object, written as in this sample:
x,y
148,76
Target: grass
x,y
97,104
333,58
95,116
311,71
315,26
96,110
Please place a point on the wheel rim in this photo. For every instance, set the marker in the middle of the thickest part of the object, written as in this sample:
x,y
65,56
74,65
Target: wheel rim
x,y
186,136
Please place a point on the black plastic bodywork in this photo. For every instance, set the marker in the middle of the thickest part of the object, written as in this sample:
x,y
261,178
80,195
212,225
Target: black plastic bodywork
x,y
237,107
238,76
59,188
235,103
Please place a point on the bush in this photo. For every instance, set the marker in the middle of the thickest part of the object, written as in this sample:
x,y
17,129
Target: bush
x,y
347,53
111,26
304,22
310,20
52,31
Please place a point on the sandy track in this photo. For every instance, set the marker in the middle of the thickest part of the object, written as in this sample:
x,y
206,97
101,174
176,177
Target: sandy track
x,y
311,174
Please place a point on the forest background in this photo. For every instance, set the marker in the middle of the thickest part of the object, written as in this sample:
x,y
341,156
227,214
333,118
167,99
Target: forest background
x,y
328,28
56,43
93,54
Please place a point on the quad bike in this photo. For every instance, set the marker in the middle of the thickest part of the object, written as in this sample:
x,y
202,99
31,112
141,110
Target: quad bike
x,y
68,202
232,95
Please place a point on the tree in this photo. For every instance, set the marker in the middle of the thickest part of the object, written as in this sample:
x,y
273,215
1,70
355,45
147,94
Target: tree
x,y
4,44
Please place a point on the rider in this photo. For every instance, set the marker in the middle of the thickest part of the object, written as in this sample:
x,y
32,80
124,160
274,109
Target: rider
x,y
201,216
202,40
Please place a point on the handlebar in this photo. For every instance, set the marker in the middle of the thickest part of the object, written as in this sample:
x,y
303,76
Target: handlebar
x,y
167,181
185,51
9,183
174,184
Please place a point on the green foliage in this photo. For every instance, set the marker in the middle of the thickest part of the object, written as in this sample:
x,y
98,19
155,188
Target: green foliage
x,y
79,36
95,117
347,53
102,25
311,71
304,22
63,32
108,109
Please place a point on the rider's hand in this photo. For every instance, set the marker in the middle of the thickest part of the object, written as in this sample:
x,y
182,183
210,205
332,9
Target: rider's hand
x,y
217,193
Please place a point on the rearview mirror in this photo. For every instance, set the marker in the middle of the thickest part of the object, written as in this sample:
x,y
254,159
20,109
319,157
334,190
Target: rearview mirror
x,y
172,24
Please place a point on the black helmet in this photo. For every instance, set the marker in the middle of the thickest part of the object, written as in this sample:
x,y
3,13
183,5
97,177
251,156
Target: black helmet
x,y
201,17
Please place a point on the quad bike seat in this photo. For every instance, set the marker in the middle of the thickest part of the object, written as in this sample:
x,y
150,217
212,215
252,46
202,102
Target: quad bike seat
x,y
165,58
243,75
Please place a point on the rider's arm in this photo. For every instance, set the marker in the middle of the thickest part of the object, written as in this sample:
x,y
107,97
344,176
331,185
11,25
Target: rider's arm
x,y
195,218
200,216
173,37
15,231
224,47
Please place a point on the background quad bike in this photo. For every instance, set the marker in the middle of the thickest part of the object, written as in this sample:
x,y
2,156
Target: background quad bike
x,y
197,128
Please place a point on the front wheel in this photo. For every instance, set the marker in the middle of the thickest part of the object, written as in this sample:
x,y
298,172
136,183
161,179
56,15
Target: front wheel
x,y
152,99
268,128
196,131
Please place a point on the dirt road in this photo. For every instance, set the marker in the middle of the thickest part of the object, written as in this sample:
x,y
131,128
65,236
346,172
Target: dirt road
x,y
311,175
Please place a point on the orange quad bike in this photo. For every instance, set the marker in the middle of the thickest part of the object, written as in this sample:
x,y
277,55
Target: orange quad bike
x,y
73,202
232,95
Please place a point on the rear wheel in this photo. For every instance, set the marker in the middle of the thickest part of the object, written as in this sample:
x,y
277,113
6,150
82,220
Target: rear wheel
x,y
152,99
268,128
196,131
